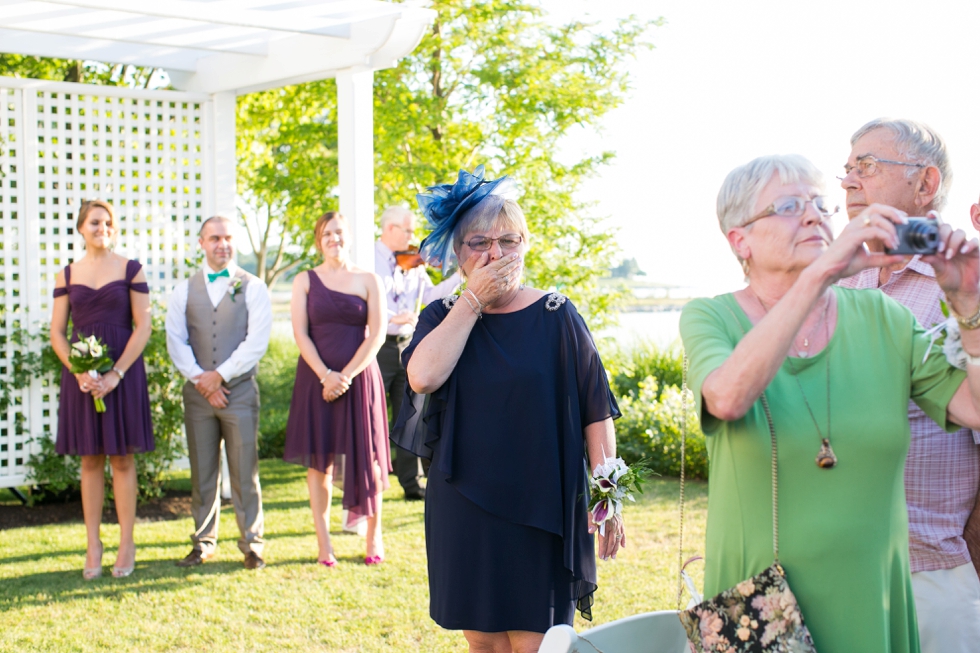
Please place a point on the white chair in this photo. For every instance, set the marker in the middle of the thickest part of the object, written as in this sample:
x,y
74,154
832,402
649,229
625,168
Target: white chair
x,y
653,632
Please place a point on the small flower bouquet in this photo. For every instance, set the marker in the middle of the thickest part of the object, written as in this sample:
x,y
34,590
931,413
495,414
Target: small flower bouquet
x,y
613,482
90,355
234,285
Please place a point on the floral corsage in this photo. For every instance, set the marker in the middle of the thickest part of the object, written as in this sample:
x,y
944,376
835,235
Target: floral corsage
x,y
234,285
612,483
951,340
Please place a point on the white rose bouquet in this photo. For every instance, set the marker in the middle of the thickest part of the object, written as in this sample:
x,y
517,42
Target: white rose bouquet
x,y
612,483
90,355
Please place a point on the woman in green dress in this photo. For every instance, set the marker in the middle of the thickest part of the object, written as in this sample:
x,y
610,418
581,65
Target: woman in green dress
x,y
838,367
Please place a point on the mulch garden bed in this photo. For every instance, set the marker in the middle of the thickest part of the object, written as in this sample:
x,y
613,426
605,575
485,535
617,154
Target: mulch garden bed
x,y
175,504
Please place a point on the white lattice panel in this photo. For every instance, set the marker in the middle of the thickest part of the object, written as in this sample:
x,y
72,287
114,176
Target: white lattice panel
x,y
146,152
13,440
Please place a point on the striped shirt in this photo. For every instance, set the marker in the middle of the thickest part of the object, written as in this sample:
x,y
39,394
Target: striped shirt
x,y
942,471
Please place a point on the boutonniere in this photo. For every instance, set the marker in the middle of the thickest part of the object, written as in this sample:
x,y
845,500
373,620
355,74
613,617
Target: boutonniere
x,y
234,286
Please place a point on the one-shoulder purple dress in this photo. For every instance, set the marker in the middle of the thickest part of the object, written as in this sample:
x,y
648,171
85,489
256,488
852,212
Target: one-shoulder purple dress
x,y
125,426
356,424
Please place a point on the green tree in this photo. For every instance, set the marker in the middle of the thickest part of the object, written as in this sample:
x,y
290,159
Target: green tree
x,y
493,82
287,170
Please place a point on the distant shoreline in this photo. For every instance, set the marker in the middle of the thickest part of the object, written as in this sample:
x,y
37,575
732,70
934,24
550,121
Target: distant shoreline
x,y
670,307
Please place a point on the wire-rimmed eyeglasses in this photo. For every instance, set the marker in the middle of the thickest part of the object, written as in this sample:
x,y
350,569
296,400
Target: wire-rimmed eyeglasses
x,y
867,166
793,206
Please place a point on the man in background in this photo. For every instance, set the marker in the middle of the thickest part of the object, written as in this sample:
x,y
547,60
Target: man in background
x,y
408,288
904,164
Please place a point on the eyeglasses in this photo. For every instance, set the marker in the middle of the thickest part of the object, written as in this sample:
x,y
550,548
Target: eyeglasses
x,y
410,232
482,243
794,206
867,166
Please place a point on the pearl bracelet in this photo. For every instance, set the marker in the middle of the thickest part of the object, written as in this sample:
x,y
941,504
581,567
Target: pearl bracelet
x,y
329,372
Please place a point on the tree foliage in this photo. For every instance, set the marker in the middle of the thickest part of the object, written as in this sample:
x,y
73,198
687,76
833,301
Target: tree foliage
x,y
493,82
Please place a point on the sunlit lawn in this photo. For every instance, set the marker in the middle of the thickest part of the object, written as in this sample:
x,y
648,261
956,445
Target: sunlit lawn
x,y
293,604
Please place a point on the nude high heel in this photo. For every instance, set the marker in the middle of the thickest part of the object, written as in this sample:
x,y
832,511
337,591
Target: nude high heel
x,y
91,573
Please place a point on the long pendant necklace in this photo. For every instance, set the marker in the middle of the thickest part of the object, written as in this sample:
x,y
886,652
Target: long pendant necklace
x,y
826,458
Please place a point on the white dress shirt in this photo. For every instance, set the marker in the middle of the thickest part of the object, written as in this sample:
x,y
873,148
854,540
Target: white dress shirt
x,y
403,289
248,353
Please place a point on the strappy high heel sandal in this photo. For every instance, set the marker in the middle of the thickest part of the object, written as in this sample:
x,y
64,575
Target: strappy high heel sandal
x,y
91,573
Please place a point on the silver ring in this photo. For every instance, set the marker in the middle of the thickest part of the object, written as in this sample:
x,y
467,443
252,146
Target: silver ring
x,y
867,222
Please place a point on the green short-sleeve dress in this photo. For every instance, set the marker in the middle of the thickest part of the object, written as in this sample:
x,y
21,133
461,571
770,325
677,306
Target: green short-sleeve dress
x,y
843,532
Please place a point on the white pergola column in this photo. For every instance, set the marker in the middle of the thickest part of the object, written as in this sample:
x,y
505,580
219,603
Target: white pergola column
x,y
221,157
355,158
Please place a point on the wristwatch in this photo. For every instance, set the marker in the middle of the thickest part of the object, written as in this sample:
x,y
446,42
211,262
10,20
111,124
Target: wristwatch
x,y
118,371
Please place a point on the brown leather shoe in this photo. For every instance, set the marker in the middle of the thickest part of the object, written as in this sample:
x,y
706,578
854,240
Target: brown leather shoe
x,y
193,559
253,560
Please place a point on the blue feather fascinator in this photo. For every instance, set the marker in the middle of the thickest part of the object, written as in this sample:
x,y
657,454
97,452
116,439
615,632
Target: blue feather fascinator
x,y
446,204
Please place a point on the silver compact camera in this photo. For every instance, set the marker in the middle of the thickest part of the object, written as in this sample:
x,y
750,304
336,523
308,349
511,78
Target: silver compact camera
x,y
917,236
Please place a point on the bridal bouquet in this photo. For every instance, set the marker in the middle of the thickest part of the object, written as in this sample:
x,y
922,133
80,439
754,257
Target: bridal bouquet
x,y
612,483
90,355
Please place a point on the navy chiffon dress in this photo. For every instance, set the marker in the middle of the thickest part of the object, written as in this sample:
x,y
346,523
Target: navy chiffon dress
x,y
506,506
125,426
351,430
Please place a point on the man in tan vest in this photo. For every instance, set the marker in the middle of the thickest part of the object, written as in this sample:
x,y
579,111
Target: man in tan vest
x,y
218,325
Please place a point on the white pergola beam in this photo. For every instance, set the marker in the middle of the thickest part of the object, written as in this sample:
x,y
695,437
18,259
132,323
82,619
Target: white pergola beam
x,y
322,18
214,47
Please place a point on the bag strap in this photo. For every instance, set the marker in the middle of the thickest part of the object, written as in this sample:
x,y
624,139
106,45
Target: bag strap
x,y
774,466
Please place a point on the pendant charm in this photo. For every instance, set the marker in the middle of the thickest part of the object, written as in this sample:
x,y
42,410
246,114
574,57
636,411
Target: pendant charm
x,y
826,458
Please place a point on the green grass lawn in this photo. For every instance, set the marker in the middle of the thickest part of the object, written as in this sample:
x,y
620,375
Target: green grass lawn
x,y
292,604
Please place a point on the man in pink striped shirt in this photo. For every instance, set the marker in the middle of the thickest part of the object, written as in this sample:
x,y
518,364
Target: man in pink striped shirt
x,y
905,165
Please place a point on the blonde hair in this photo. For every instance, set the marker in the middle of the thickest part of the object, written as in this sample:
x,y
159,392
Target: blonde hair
x,y
491,211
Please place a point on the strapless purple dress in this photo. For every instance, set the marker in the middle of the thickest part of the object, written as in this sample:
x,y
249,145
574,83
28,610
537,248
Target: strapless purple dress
x,y
354,425
125,426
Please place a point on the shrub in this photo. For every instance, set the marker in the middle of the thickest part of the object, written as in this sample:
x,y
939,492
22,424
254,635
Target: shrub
x,y
651,427
646,380
277,373
629,367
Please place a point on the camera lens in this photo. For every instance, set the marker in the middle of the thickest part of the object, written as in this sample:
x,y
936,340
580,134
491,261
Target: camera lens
x,y
923,235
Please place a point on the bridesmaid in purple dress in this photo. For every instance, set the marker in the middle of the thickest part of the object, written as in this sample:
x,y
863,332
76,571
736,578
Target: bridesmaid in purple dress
x,y
338,414
105,295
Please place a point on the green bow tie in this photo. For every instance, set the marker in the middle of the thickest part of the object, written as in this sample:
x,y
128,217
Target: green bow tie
x,y
223,273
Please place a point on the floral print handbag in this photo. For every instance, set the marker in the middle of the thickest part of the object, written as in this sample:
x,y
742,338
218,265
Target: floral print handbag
x,y
760,614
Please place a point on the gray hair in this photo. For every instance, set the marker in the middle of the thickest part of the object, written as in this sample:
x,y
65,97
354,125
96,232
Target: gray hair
x,y
918,143
744,184
490,211
395,214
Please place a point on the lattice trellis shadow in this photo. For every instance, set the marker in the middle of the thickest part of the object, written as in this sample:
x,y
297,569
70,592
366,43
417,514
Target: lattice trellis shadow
x,y
146,152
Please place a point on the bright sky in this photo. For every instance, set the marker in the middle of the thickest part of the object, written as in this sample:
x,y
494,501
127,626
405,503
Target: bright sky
x,y
729,81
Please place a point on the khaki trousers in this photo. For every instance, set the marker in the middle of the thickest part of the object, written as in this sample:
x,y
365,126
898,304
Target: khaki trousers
x,y
237,424
947,602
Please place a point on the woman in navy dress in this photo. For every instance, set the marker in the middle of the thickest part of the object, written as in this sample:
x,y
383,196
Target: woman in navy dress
x,y
338,421
105,295
510,401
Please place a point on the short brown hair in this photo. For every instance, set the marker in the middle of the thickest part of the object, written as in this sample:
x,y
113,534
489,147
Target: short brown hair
x,y
213,218
88,206
321,224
